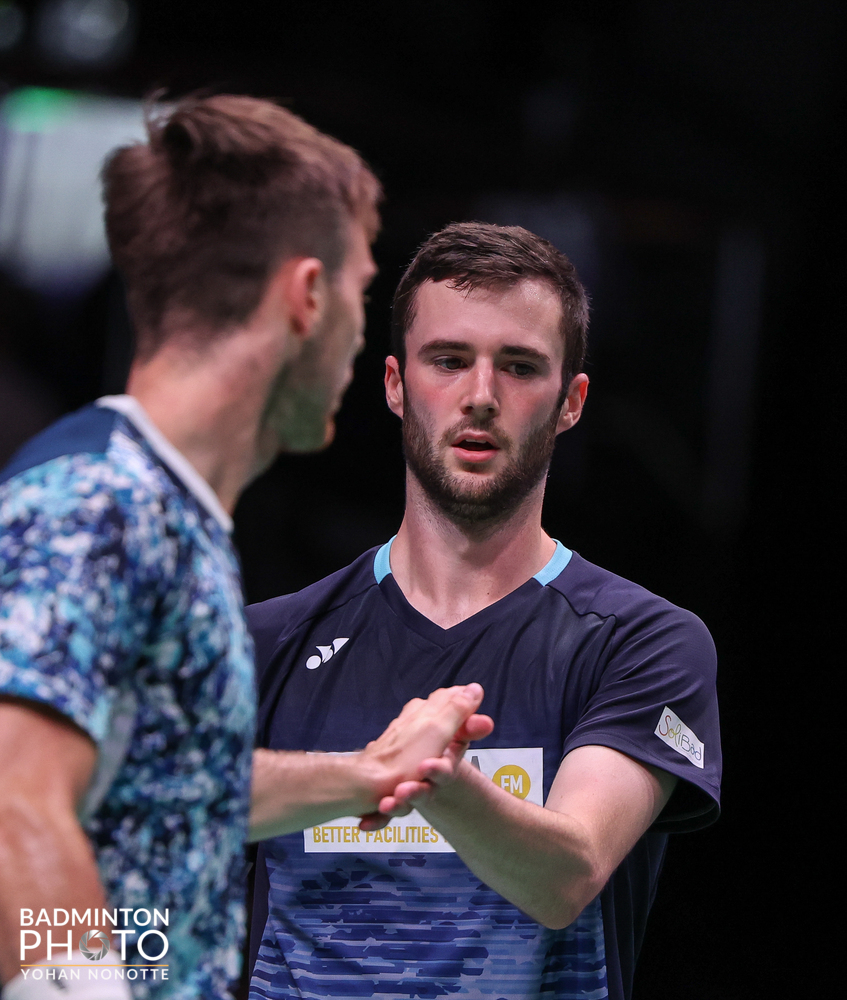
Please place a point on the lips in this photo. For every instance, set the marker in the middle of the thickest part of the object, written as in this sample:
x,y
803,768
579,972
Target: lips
x,y
471,445
474,440
474,447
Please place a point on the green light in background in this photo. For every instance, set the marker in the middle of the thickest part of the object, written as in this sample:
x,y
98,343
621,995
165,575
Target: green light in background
x,y
39,109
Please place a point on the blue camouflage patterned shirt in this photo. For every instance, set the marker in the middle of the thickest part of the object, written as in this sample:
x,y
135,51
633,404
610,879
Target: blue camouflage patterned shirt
x,y
121,607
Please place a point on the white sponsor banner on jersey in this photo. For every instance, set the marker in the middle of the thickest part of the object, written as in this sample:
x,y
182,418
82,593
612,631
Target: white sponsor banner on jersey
x,y
517,770
673,731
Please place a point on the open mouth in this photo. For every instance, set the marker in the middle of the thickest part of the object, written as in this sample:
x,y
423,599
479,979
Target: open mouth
x,y
473,449
475,445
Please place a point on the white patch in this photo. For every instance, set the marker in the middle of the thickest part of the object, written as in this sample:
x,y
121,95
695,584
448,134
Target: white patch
x,y
518,770
326,653
673,731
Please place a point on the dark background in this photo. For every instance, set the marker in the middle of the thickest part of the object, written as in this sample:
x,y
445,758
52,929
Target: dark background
x,y
689,158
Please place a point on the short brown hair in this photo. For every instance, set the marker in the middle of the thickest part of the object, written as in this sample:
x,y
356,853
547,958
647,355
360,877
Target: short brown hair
x,y
225,189
482,255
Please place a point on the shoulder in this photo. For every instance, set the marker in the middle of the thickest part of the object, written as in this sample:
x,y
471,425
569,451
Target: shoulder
x,y
271,622
87,487
95,451
592,590
86,431
653,693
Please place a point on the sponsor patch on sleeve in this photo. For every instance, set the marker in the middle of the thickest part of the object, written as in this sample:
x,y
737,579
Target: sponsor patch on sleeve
x,y
673,731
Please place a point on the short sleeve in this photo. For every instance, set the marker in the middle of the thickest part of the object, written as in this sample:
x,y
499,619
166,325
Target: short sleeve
x,y
70,616
655,701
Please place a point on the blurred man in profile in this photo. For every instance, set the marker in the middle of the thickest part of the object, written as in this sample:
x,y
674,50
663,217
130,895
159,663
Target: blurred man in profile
x,y
127,701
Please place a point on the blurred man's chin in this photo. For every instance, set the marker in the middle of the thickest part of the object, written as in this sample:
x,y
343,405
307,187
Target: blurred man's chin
x,y
308,439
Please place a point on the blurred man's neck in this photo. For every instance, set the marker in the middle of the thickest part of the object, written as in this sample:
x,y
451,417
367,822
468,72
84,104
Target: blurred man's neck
x,y
209,405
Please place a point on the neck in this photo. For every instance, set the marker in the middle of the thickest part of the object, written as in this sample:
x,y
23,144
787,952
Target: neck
x,y
449,571
209,405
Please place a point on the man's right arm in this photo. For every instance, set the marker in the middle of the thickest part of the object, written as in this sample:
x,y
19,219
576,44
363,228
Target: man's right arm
x,y
46,764
46,860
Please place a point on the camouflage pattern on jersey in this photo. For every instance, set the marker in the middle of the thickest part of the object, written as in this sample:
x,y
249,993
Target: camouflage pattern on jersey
x,y
121,607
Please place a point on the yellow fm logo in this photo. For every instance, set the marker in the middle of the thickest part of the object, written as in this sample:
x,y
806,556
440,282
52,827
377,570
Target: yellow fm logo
x,y
513,779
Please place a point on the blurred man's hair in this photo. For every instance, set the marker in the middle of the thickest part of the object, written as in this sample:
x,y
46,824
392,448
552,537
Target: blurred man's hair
x,y
473,255
225,189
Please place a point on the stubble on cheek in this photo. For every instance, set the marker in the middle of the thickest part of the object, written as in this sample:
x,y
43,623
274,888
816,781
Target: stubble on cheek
x,y
464,498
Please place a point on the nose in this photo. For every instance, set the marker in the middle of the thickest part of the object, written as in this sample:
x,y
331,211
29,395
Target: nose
x,y
480,397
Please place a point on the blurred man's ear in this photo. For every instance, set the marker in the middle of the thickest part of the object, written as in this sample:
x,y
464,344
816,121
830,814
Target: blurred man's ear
x,y
297,289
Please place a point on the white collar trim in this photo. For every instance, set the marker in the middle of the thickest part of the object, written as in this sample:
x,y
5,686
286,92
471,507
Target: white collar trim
x,y
174,459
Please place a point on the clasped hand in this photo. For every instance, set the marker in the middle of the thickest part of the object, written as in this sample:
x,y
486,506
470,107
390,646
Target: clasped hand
x,y
424,746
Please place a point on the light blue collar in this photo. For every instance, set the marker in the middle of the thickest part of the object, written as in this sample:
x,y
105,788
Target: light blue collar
x,y
382,565
560,558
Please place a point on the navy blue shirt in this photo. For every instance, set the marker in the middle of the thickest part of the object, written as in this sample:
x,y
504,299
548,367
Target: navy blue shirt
x,y
575,656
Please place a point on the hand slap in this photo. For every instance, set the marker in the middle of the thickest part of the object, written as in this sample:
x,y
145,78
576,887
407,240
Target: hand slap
x,y
409,794
425,744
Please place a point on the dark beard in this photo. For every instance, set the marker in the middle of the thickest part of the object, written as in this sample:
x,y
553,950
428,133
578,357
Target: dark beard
x,y
496,500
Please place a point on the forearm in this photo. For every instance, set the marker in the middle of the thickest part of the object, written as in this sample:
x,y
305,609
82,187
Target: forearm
x,y
292,791
540,860
46,860
45,863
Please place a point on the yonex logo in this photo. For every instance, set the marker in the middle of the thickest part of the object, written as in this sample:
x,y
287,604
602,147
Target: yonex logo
x,y
327,653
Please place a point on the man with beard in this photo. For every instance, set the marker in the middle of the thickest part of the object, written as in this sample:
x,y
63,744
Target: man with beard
x,y
530,869
127,695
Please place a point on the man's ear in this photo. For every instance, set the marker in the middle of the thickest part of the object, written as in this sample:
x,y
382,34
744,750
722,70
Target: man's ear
x,y
394,386
573,404
298,288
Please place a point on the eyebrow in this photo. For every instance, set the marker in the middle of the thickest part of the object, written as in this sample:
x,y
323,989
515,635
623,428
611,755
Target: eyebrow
x,y
443,345
525,352
510,350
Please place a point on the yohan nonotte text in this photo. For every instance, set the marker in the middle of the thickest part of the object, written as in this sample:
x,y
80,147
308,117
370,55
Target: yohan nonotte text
x,y
57,973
